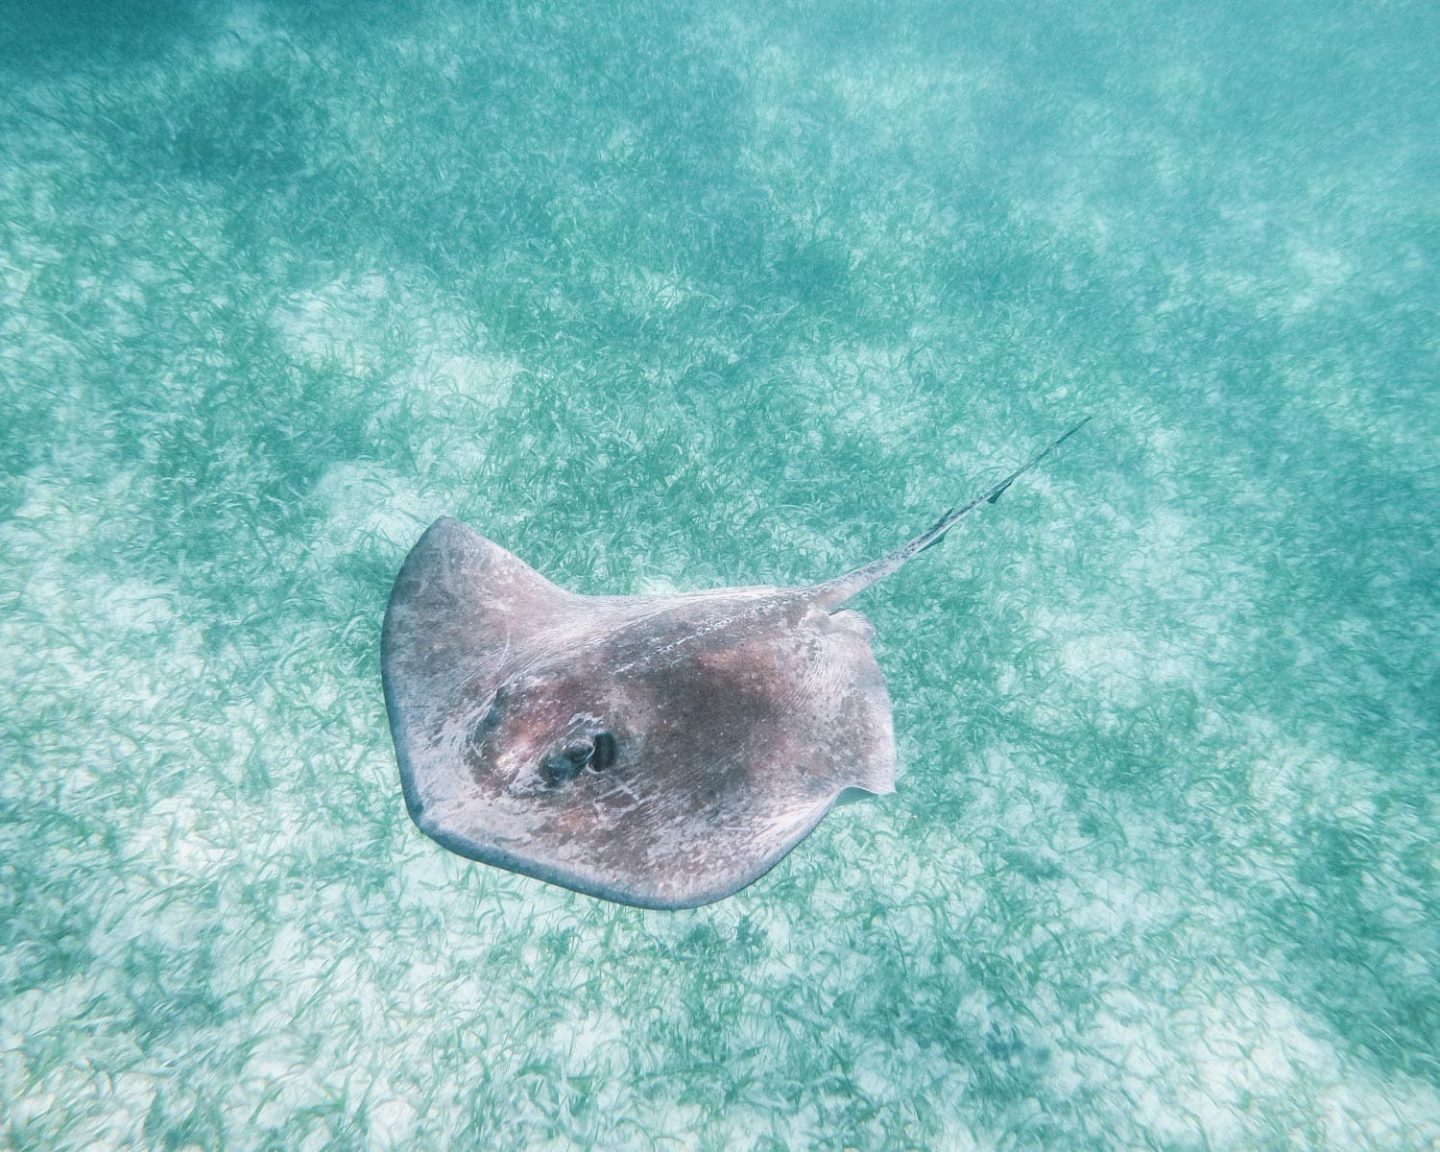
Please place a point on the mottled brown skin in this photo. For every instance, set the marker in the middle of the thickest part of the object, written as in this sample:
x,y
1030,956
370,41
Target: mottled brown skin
x,y
736,717
662,751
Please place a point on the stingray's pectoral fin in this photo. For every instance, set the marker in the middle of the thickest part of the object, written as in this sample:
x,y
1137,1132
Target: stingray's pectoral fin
x,y
855,794
460,605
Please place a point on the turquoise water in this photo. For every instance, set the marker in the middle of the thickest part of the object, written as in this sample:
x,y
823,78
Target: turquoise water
x,y
668,297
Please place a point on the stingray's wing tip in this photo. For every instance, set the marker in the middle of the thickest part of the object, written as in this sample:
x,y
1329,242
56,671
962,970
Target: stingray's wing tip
x,y
442,528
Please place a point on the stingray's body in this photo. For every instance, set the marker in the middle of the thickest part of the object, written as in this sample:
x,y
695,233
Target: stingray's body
x,y
663,751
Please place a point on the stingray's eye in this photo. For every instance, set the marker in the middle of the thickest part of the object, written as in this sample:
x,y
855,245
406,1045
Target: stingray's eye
x,y
604,752
567,762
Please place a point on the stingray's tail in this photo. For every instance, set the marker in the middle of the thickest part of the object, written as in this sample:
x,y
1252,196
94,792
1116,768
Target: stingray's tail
x,y
835,592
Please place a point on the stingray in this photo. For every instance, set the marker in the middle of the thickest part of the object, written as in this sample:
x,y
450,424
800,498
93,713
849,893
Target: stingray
x,y
660,751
